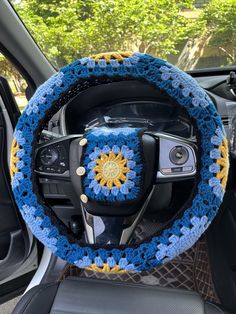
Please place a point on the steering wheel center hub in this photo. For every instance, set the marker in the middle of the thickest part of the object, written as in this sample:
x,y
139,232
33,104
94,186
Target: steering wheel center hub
x,y
111,170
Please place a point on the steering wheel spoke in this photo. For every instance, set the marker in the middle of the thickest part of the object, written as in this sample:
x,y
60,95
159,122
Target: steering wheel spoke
x,y
114,230
177,158
115,182
52,158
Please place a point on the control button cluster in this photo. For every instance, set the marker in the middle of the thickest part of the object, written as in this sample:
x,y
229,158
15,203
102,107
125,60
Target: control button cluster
x,y
52,159
176,158
176,170
49,156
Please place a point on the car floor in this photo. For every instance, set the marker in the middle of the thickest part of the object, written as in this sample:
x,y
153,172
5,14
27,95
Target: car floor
x,y
7,307
189,271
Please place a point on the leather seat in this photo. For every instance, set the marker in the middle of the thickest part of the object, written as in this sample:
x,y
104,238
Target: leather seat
x,y
78,295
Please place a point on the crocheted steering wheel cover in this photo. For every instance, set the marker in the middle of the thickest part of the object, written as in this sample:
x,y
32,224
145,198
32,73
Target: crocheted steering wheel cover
x,y
193,221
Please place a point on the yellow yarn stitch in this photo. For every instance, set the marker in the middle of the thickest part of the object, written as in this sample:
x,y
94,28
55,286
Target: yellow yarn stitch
x,y
106,269
224,163
108,56
14,158
110,170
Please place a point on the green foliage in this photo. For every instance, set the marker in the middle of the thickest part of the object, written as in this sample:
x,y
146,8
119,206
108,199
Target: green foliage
x,y
69,29
5,66
219,18
8,70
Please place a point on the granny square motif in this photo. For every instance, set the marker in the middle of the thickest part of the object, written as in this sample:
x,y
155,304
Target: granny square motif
x,y
114,164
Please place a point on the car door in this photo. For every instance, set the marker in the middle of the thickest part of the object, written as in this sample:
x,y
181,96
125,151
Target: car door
x,y
20,254
18,248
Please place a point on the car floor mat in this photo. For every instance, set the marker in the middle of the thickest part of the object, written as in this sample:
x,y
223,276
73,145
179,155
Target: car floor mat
x,y
189,271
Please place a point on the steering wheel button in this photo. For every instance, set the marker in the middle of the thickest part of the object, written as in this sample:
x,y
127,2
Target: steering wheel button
x,y
84,198
80,171
49,156
83,142
187,169
179,155
166,170
177,169
50,169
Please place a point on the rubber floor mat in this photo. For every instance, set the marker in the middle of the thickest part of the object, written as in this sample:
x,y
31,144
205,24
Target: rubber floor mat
x,y
189,271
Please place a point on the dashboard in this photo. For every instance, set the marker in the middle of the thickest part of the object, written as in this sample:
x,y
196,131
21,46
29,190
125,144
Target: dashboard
x,y
137,103
129,103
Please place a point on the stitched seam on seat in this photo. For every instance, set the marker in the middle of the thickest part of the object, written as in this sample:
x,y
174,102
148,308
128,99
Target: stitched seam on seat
x,y
33,296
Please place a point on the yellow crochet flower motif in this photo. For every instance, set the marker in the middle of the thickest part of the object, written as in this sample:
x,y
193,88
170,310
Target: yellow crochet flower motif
x,y
106,269
15,147
224,163
111,169
108,56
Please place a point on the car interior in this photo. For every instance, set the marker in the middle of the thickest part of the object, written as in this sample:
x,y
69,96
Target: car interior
x,y
94,118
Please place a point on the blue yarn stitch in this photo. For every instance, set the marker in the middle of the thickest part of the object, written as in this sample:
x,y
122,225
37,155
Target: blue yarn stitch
x,y
186,230
121,140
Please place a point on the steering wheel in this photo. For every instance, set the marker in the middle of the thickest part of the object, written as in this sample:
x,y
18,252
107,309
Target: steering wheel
x,y
113,170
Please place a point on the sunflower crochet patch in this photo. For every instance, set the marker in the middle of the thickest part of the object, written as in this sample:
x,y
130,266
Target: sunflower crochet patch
x,y
113,163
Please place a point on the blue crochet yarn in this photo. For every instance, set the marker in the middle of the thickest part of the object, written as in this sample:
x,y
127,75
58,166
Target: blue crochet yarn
x,y
123,145
193,221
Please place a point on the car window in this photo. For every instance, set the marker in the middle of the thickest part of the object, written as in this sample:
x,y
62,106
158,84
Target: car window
x,y
191,34
17,83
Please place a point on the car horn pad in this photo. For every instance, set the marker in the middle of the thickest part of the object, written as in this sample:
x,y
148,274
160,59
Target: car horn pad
x,y
191,222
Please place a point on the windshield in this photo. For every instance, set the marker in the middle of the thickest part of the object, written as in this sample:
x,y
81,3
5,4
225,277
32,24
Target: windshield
x,y
190,34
